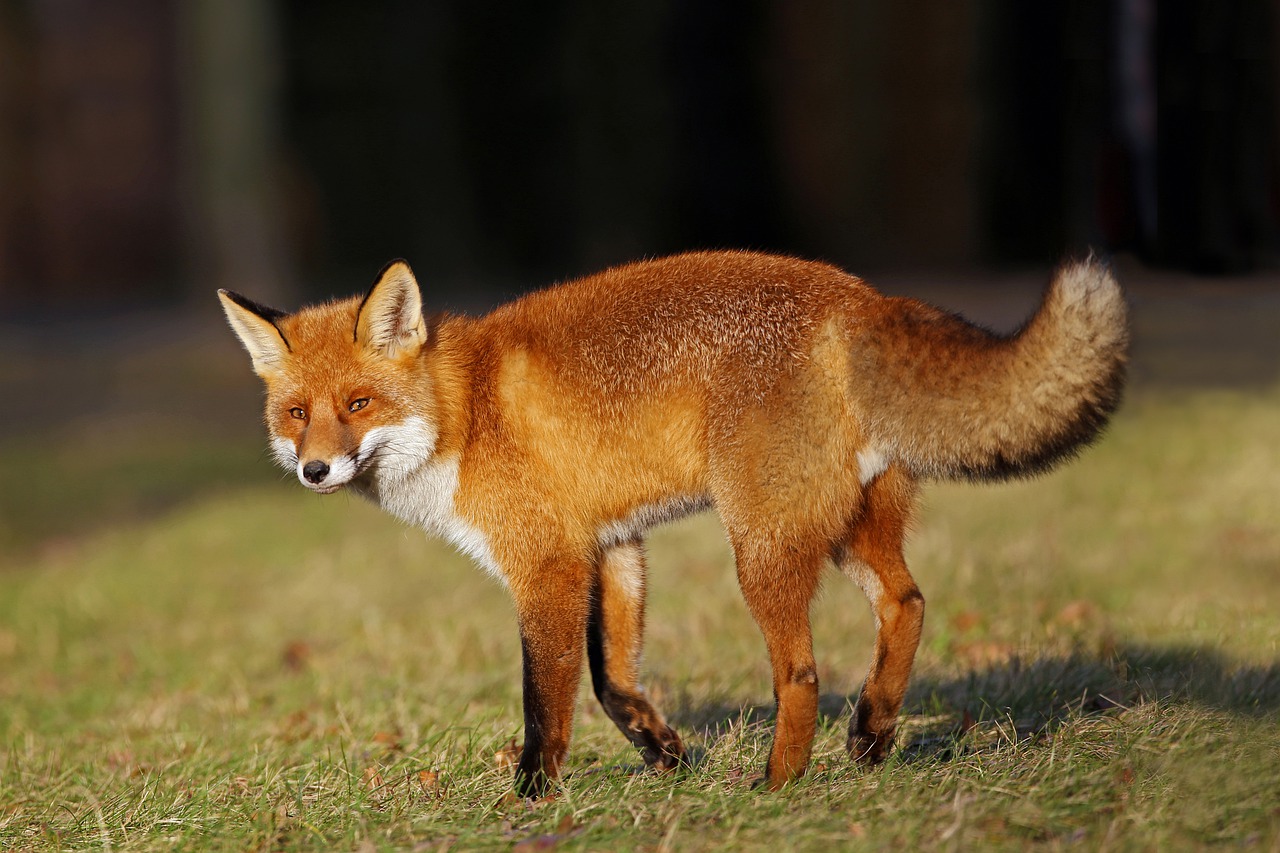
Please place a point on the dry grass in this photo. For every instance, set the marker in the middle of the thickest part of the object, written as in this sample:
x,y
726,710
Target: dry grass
x,y
263,669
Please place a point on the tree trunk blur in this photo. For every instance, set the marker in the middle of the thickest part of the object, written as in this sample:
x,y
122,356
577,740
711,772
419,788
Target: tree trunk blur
x,y
231,149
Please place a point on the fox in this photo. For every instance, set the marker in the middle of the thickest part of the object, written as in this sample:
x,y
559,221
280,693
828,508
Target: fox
x,y
545,438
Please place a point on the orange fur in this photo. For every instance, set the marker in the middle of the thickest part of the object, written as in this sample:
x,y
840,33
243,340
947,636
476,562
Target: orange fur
x,y
545,437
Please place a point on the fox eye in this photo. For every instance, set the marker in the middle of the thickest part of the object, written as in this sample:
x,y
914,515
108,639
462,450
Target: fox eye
x,y
299,413
357,405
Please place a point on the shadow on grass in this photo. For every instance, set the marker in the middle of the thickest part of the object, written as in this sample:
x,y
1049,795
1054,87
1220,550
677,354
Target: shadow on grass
x,y
1039,696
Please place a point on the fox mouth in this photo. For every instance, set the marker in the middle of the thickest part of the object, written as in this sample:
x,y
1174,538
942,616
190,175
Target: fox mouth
x,y
342,472
325,478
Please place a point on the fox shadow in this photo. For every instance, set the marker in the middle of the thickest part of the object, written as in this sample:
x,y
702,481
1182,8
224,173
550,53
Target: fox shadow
x,y
1035,697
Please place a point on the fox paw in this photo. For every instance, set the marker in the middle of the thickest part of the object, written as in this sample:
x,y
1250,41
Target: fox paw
x,y
869,748
665,752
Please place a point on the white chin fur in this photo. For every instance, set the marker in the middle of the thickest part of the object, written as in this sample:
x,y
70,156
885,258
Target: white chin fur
x,y
415,485
397,450
390,452
411,483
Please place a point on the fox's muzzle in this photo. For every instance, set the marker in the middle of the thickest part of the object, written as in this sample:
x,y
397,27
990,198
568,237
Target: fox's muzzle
x,y
315,471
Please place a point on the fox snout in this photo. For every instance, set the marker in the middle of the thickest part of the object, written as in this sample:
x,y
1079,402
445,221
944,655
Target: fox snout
x,y
326,476
318,476
315,471
319,473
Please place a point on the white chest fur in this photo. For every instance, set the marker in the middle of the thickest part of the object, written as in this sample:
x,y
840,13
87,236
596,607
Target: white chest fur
x,y
412,483
872,462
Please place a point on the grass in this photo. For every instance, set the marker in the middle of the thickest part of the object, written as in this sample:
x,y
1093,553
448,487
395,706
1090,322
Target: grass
x,y
249,667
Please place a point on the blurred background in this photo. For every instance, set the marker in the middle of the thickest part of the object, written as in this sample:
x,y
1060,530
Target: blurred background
x,y
151,151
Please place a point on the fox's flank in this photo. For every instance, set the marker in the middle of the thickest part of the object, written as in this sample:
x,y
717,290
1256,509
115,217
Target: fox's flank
x,y
546,437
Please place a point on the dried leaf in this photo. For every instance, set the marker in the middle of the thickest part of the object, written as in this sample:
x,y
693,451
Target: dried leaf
x,y
1075,613
389,740
296,655
508,756
983,653
297,726
966,620
564,829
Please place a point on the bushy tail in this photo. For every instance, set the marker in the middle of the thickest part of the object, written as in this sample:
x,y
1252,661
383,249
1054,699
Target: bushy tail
x,y
952,400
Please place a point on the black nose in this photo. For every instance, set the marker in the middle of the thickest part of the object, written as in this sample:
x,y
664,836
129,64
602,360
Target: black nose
x,y
315,471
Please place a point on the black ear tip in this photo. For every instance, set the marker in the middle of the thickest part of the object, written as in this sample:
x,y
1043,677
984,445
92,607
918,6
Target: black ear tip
x,y
271,315
390,265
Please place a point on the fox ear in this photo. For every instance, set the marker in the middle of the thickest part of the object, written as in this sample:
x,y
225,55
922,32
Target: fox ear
x,y
390,319
255,326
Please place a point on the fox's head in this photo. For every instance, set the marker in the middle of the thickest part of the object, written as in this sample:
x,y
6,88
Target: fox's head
x,y
347,391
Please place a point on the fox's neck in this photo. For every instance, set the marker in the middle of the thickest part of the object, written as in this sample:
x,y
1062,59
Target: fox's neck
x,y
451,365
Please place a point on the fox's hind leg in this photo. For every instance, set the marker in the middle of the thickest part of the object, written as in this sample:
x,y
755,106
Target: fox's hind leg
x,y
615,639
872,556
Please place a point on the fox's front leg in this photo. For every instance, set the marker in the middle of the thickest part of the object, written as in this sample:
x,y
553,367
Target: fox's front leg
x,y
552,605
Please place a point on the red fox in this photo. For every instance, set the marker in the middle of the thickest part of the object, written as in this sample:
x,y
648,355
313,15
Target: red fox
x,y
546,437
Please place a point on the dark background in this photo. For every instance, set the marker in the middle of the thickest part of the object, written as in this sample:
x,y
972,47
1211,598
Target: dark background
x,y
151,150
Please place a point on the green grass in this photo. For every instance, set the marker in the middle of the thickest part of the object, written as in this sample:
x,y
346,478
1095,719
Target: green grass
x,y
256,668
